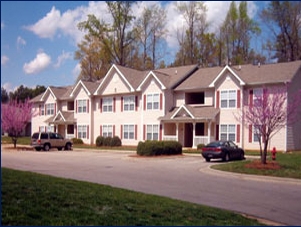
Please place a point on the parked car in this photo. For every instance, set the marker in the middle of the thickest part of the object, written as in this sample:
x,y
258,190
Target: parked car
x,y
48,140
226,150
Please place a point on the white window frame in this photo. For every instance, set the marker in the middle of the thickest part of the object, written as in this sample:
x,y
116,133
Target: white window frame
x,y
257,94
42,109
50,128
107,105
82,106
152,132
49,108
129,103
107,130
153,101
41,128
227,132
82,131
129,131
255,138
228,99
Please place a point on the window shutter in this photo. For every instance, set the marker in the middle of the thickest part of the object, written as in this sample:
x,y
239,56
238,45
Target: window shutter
x,y
121,132
136,132
75,130
161,101
238,98
45,113
113,130
160,132
250,133
45,128
114,104
217,132
121,107
238,133
100,105
144,132
217,99
144,102
136,102
251,98
87,131
87,105
100,130
54,108
75,106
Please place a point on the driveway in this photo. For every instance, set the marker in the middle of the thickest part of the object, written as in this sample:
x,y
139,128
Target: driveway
x,y
184,177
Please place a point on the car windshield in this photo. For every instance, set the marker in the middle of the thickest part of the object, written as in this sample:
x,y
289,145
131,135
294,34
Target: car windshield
x,y
215,144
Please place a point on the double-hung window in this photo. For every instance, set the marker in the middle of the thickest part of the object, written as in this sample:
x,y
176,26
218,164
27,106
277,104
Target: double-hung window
x,y
256,133
107,105
228,132
257,96
42,109
107,130
128,131
82,106
152,101
152,132
50,109
129,103
82,131
228,99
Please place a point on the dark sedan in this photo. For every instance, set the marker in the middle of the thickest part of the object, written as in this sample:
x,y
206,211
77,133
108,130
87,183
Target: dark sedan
x,y
226,150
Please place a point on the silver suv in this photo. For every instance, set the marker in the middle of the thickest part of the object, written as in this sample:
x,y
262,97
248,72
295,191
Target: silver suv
x,y
48,140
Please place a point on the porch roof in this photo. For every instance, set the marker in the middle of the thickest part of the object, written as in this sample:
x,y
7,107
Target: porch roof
x,y
188,113
61,118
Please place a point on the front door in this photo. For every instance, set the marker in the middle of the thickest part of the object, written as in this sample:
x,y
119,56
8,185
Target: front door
x,y
188,132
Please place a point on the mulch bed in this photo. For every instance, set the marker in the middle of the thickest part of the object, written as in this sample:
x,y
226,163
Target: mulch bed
x,y
256,164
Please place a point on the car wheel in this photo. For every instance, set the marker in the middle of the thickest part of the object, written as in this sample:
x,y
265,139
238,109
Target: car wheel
x,y
242,157
68,147
226,158
46,147
38,149
207,159
59,148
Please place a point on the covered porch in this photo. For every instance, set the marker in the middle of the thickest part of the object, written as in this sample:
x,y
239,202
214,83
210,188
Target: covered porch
x,y
64,124
190,125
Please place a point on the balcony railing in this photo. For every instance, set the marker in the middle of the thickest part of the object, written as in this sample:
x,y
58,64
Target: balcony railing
x,y
165,137
203,140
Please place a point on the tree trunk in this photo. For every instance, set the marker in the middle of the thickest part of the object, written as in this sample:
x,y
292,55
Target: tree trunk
x,y
14,139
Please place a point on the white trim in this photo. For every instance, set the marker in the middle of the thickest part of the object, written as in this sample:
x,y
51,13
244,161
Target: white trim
x,y
151,73
108,74
59,113
241,82
74,89
184,107
51,92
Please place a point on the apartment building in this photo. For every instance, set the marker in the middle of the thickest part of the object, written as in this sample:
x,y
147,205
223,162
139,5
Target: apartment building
x,y
189,104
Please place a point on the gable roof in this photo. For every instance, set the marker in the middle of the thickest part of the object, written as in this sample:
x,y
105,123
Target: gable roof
x,y
89,87
59,93
61,117
227,68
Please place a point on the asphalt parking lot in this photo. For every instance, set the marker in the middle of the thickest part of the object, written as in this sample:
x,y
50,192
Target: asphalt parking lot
x,y
186,177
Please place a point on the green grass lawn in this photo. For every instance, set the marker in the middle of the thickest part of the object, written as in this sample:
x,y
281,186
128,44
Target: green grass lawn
x,y
290,166
35,199
20,141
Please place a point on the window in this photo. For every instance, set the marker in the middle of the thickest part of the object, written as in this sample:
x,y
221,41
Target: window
x,y
228,132
42,109
129,103
50,109
82,131
128,131
50,128
42,129
152,101
228,99
81,106
107,131
257,95
107,105
152,132
256,134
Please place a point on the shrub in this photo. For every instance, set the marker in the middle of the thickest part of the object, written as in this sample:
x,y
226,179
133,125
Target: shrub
x,y
99,141
200,146
116,141
77,141
107,141
151,148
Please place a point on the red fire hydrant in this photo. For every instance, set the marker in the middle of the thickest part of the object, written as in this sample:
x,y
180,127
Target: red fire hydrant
x,y
274,153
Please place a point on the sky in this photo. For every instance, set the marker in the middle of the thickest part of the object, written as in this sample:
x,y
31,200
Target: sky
x,y
39,38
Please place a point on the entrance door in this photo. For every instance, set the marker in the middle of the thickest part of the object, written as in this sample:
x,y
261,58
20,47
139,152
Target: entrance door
x,y
188,131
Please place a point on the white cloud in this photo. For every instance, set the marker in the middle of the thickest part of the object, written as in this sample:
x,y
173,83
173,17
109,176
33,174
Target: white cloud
x,y
7,86
62,58
4,60
20,42
40,63
76,71
2,25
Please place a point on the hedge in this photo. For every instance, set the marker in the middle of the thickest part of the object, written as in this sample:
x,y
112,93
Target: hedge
x,y
77,141
108,141
152,148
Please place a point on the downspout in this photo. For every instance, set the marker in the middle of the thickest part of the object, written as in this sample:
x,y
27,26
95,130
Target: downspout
x,y
242,136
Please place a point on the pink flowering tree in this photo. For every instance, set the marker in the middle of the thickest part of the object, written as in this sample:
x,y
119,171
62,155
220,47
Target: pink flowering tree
x,y
14,117
269,111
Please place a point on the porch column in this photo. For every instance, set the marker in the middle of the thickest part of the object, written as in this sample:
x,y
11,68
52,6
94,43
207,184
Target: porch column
x,y
177,131
193,135
209,130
